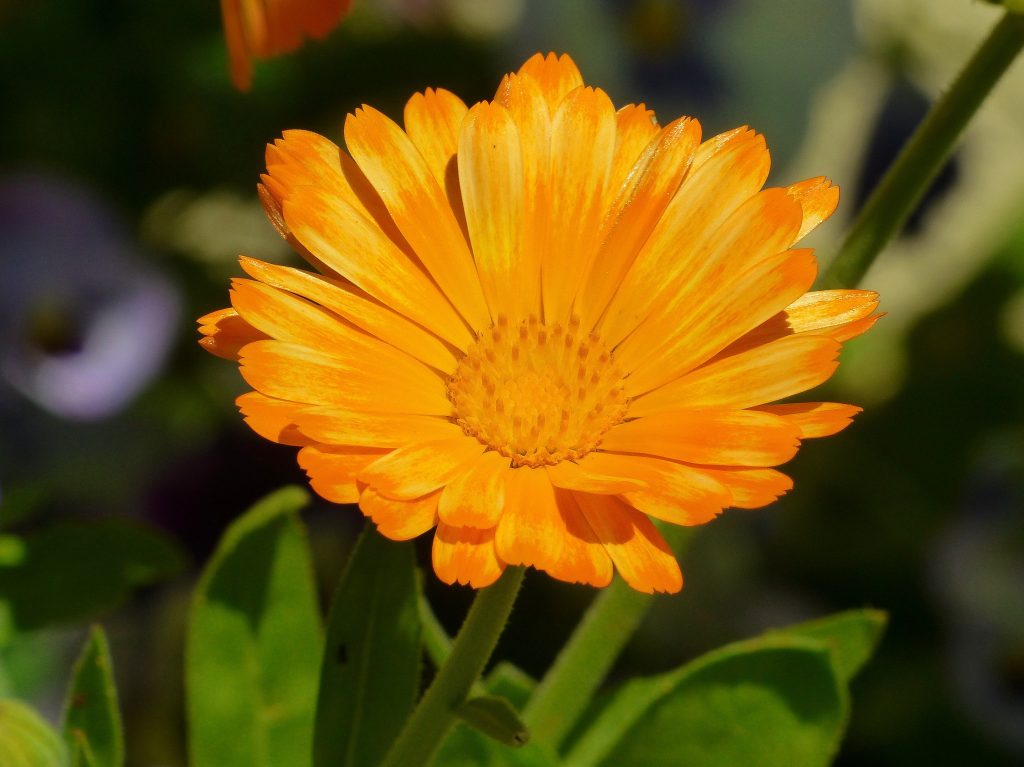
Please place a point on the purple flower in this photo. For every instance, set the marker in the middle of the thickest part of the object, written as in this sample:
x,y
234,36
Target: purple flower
x,y
84,322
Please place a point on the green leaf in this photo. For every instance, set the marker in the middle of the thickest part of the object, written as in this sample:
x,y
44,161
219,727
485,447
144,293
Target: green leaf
x,y
508,681
851,636
92,722
74,571
496,718
466,747
26,739
371,663
81,755
254,643
770,701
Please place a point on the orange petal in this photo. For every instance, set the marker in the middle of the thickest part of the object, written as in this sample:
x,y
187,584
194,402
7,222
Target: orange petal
x,y
321,17
302,158
717,437
399,520
818,200
491,179
265,28
254,27
338,426
675,492
641,201
635,127
271,418
765,373
358,308
477,496
283,31
815,419
354,246
333,472
433,120
583,476
343,379
640,554
466,555
275,212
286,317
225,333
555,76
421,468
524,101
543,527
238,51
674,253
750,488
839,314
750,298
419,207
844,333
582,143
759,228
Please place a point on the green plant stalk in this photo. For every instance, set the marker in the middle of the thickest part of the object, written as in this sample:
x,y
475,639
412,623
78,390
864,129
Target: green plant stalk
x,y
569,685
906,181
435,714
436,641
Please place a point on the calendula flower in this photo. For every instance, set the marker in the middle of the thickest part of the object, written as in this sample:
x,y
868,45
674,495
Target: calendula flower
x,y
538,323
261,29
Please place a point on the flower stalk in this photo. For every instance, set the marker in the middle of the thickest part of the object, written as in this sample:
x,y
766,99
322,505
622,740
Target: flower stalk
x,y
906,181
435,715
609,623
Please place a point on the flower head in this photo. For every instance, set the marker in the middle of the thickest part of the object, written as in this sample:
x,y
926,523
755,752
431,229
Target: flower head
x,y
262,29
538,323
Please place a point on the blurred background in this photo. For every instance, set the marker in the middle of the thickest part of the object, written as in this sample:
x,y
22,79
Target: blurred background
x,y
128,166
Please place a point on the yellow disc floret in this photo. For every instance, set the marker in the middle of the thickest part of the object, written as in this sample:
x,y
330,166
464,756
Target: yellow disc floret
x,y
537,393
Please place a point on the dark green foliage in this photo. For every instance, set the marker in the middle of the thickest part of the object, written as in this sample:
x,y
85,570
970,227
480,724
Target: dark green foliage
x,y
371,663
254,643
92,721
71,572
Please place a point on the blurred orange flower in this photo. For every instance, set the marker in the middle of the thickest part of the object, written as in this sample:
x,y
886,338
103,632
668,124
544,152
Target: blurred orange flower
x,y
261,29
537,324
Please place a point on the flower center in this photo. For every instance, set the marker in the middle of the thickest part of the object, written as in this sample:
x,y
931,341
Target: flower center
x,y
537,393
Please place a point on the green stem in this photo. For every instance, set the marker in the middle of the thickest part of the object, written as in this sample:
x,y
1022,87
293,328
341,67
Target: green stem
x,y
435,713
436,641
906,181
569,685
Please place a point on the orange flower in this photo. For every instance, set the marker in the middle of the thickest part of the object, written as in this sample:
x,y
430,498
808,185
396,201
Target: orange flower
x,y
538,323
264,28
